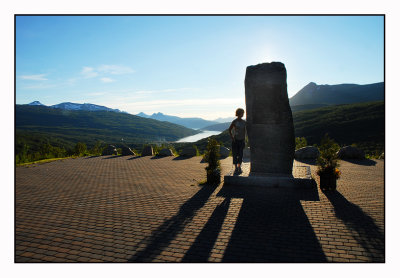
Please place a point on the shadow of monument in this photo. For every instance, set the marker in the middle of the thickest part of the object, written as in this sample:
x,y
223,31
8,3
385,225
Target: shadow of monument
x,y
171,227
272,226
364,162
362,226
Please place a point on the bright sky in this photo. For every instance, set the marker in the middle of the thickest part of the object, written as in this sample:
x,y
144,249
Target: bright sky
x,y
188,66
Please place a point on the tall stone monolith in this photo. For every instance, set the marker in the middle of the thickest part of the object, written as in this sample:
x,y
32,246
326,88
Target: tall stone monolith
x,y
269,120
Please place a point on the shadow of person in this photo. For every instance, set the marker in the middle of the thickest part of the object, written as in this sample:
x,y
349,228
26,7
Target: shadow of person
x,y
272,226
172,226
363,227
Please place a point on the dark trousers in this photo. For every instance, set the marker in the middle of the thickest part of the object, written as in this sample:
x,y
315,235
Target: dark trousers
x,y
237,151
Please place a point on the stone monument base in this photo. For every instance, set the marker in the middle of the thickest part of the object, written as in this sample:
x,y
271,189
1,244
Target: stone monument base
x,y
301,178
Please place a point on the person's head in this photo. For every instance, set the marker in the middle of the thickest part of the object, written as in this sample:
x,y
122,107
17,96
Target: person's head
x,y
239,112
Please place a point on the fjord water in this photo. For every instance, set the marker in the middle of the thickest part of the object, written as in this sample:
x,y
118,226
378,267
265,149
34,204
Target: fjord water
x,y
199,136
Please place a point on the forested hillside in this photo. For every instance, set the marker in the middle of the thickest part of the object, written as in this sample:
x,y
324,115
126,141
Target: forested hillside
x,y
362,124
37,126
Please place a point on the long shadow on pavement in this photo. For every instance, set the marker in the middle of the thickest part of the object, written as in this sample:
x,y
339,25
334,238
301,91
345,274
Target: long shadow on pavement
x,y
364,162
182,157
134,157
205,241
171,227
272,226
363,227
112,157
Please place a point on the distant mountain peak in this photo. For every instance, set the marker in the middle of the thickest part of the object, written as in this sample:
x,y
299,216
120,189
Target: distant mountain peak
x,y
143,115
84,107
36,102
195,123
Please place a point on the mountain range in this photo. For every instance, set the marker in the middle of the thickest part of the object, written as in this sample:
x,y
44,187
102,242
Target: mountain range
x,y
311,96
77,106
321,95
194,123
74,126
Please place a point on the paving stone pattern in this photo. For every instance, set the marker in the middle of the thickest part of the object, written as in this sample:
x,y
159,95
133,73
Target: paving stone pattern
x,y
121,209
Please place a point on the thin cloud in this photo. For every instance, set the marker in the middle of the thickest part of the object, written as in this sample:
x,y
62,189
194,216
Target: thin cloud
x,y
115,69
91,72
88,72
156,104
40,86
97,94
164,91
36,77
106,80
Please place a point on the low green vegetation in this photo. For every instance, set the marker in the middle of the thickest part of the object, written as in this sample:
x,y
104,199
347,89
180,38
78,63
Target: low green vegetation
x,y
361,125
301,142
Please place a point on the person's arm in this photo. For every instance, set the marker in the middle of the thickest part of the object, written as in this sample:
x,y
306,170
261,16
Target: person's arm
x,y
230,130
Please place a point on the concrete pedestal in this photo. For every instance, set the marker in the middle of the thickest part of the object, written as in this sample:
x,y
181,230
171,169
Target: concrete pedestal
x,y
300,178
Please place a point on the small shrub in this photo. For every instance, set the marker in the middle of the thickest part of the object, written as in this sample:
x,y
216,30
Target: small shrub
x,y
301,142
211,156
328,161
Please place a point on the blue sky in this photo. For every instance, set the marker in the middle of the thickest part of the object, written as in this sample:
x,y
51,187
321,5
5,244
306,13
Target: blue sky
x,y
189,66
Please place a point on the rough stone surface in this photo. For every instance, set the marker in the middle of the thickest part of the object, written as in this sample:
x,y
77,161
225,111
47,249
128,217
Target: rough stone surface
x,y
127,151
147,151
246,153
269,120
350,152
110,150
189,151
165,152
223,151
309,152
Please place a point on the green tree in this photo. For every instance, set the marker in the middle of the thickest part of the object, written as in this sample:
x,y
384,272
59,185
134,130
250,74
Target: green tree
x,y
80,149
97,149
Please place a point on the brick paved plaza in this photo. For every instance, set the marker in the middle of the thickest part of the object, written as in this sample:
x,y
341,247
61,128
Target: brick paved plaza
x,y
128,209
